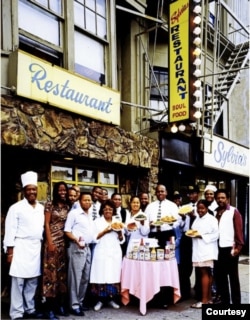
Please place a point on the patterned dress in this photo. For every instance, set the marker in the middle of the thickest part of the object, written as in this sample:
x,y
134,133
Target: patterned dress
x,y
55,263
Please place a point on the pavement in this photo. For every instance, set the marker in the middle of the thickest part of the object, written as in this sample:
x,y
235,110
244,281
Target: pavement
x,y
178,311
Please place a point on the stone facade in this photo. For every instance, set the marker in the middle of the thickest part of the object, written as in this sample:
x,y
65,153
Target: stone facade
x,y
33,125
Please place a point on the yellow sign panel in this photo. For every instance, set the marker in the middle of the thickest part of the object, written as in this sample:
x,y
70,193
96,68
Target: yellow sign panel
x,y
38,80
179,60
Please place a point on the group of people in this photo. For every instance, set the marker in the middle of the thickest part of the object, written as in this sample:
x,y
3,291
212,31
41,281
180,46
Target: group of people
x,y
213,250
67,254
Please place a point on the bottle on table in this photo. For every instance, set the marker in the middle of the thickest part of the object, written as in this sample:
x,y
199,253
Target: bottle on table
x,y
153,254
141,250
146,252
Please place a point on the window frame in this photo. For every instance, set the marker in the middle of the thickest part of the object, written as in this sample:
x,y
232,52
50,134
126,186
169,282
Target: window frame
x,y
66,53
76,181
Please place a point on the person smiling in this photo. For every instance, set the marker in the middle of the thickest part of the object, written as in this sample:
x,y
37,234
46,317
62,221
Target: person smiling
x,y
106,265
24,228
205,250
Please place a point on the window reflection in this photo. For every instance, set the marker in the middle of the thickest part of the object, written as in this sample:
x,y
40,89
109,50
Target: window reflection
x,y
86,175
107,178
62,173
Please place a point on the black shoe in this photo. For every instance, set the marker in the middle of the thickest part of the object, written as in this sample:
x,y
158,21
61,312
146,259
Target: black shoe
x,y
62,312
50,315
84,308
33,315
77,312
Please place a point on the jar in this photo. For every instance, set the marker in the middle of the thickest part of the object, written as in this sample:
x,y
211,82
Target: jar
x,y
160,254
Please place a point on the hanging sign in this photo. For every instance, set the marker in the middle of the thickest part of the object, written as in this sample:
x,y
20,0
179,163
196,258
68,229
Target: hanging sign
x,y
178,60
39,80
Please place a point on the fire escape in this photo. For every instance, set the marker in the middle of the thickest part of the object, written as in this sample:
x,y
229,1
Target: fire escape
x,y
230,56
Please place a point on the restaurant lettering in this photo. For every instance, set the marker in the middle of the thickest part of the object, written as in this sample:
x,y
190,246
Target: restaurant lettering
x,y
230,156
63,90
178,60
176,15
181,85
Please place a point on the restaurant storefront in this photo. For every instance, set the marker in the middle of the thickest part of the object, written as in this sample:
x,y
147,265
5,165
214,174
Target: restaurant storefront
x,y
183,164
68,128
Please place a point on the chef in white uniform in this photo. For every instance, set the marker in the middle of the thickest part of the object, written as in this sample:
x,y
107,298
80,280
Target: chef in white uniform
x,y
24,227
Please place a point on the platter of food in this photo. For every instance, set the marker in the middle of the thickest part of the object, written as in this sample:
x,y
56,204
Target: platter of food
x,y
168,219
185,209
132,226
117,226
157,223
192,233
140,217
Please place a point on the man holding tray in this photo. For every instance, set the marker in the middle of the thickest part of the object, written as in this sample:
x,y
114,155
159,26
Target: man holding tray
x,y
157,213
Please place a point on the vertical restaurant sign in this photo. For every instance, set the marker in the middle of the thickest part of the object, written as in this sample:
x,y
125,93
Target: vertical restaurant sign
x,y
39,80
178,60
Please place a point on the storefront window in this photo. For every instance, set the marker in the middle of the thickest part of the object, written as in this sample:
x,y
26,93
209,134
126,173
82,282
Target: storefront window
x,y
86,178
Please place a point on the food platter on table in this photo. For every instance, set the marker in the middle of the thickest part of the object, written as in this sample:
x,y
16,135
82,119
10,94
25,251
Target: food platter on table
x,y
140,217
117,226
192,233
185,209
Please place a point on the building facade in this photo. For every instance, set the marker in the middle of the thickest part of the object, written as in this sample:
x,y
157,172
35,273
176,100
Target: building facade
x,y
85,92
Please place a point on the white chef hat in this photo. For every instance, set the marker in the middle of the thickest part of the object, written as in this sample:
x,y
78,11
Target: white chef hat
x,y
29,177
210,187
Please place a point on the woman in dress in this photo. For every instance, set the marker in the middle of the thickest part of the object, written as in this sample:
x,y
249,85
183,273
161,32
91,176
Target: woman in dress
x,y
205,250
106,265
136,229
54,279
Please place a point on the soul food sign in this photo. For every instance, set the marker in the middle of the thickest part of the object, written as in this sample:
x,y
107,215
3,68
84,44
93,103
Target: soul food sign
x,y
38,80
178,60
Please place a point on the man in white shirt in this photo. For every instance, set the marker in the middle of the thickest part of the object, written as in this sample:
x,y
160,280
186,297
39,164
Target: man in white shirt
x,y
155,211
79,230
24,227
96,195
162,207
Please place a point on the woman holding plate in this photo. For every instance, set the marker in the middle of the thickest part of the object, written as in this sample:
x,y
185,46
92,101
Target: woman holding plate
x,y
137,225
106,265
204,234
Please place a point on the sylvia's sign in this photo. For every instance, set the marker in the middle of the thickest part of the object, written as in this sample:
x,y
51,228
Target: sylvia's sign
x,y
228,156
39,80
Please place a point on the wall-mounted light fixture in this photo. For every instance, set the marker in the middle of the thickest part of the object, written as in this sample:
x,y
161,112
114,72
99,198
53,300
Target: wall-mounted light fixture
x,y
174,128
182,127
197,58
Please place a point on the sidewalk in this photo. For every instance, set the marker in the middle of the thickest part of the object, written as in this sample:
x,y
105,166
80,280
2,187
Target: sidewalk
x,y
179,311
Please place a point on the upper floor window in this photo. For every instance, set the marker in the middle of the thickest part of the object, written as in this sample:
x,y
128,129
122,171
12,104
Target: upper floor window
x,y
90,36
67,33
159,93
40,25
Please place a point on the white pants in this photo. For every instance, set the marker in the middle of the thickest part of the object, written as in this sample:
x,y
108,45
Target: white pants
x,y
22,297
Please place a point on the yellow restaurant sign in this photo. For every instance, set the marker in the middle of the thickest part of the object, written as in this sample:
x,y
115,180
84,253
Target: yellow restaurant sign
x,y
38,80
179,60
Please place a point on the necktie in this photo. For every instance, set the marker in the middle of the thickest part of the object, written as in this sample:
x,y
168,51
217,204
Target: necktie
x,y
159,212
94,212
192,218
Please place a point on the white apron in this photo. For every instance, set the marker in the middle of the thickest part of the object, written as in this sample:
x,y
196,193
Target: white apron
x,y
26,261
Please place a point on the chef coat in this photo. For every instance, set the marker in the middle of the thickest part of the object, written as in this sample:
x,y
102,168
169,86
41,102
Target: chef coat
x,y
24,226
